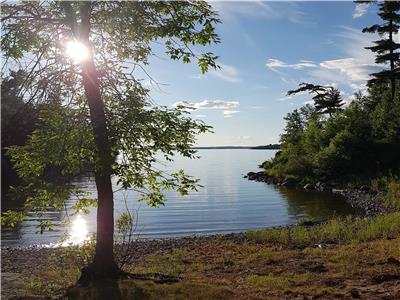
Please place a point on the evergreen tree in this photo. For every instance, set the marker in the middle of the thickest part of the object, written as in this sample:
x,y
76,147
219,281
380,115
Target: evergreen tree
x,y
326,99
386,49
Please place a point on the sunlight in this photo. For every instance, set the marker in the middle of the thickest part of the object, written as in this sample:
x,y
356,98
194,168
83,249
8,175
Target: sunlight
x,y
77,51
79,232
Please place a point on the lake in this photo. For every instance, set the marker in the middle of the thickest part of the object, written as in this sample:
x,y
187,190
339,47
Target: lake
x,y
226,203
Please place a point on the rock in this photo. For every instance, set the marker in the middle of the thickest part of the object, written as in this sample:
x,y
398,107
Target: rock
x,y
259,176
323,187
309,187
251,176
289,183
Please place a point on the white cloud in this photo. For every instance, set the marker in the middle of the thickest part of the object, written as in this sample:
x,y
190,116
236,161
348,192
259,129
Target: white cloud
x,y
360,10
228,107
358,87
311,102
275,64
284,98
227,73
210,104
353,69
230,113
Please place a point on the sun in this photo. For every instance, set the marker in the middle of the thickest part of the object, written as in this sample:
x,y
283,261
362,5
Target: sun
x,y
77,51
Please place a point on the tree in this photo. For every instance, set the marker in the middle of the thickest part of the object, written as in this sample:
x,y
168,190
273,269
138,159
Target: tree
x,y
327,99
386,49
17,123
97,114
294,128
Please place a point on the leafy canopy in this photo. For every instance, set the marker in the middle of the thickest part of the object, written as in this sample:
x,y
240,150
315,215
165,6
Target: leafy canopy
x,y
123,35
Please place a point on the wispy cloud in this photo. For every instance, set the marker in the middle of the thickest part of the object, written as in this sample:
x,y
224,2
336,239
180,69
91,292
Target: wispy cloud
x,y
284,98
348,71
228,107
215,104
227,73
275,64
231,10
360,10
230,113
351,70
350,67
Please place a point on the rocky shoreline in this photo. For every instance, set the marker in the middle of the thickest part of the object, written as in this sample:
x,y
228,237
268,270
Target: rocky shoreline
x,y
365,201
18,259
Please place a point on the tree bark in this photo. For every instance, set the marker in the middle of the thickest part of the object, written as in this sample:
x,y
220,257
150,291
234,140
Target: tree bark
x,y
392,79
103,264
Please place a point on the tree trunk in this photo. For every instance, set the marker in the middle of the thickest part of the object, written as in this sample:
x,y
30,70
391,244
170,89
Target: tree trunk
x,y
103,264
392,79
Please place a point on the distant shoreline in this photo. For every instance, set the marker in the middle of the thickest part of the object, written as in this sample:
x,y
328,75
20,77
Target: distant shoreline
x,y
263,147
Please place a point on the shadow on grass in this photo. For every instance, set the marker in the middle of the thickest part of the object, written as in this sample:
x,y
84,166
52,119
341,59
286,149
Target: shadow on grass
x,y
138,289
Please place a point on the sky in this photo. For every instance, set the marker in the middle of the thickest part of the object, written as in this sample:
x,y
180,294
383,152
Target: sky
x,y
266,49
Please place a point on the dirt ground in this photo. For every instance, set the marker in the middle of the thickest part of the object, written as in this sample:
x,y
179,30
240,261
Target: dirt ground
x,y
217,268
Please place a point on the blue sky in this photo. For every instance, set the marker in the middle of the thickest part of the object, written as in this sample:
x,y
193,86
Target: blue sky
x,y
266,49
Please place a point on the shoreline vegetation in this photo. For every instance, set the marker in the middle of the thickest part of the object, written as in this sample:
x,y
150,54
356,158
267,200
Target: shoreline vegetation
x,y
353,257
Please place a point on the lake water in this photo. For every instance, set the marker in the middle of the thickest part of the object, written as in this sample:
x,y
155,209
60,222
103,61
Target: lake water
x,y
227,203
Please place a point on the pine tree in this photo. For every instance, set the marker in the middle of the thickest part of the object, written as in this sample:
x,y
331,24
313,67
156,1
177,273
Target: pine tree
x,y
327,99
386,49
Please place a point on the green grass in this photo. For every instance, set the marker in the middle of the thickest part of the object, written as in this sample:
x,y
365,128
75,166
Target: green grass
x,y
335,231
392,197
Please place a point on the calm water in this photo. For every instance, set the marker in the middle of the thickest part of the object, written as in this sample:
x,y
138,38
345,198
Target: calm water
x,y
226,203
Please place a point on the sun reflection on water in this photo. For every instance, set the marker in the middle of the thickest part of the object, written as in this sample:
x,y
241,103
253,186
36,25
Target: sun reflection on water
x,y
78,232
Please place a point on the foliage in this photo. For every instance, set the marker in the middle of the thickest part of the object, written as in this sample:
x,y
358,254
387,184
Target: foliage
x,y
387,48
327,99
78,256
12,218
122,38
338,230
335,149
17,123
392,197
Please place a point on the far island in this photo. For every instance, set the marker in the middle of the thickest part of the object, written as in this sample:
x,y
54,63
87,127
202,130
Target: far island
x,y
262,147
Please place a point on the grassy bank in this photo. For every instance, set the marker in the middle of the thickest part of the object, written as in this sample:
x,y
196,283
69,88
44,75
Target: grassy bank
x,y
341,259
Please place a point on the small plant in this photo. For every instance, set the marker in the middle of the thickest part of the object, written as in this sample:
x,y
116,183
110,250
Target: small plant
x,y
392,197
79,255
